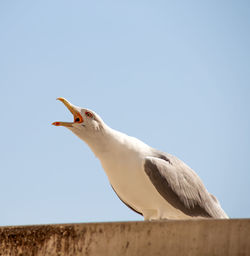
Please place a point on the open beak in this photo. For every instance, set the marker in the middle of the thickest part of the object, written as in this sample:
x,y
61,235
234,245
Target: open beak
x,y
77,116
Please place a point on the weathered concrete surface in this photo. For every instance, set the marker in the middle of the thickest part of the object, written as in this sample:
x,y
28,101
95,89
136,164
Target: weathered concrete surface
x,y
188,237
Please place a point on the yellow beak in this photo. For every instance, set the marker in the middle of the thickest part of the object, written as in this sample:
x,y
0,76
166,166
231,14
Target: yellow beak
x,y
77,116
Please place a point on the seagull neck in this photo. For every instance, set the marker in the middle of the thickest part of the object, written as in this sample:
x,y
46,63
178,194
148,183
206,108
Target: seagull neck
x,y
102,142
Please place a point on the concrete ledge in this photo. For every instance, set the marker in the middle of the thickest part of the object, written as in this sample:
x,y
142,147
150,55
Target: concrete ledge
x,y
187,237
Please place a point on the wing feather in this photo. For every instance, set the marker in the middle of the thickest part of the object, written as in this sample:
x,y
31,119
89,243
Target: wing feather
x,y
182,187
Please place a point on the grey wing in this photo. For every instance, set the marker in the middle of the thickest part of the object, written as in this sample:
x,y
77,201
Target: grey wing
x,y
182,187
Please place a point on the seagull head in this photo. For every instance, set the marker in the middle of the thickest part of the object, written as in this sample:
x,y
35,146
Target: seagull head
x,y
86,125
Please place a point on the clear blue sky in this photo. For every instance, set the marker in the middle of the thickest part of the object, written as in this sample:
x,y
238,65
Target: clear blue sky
x,y
175,74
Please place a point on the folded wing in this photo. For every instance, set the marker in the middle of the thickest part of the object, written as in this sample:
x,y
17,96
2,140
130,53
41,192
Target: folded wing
x,y
181,186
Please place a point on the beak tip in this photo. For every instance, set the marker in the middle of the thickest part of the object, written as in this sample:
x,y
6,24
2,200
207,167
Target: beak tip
x,y
56,123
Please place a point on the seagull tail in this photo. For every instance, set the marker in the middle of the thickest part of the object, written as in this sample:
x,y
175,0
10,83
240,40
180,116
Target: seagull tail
x,y
218,212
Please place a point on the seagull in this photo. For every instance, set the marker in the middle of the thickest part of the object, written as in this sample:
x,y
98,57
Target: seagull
x,y
155,184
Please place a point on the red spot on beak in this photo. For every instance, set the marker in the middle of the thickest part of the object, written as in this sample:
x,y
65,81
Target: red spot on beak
x,y
56,123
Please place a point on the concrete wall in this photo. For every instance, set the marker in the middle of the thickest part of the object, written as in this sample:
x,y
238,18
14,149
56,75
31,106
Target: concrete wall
x,y
189,237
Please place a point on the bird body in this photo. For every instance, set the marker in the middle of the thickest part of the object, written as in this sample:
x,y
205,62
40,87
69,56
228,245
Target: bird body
x,y
154,184
123,164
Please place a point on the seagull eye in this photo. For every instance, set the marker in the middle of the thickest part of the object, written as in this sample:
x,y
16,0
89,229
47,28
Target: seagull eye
x,y
88,114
